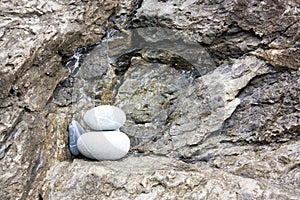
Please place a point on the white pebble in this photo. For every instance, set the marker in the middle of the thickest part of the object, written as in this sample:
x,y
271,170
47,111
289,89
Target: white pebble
x,y
105,118
104,145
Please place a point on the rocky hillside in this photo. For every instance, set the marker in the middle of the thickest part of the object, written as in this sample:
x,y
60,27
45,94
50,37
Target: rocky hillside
x,y
213,106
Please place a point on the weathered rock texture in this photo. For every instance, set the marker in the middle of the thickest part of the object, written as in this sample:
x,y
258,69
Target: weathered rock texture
x,y
229,132
154,177
34,37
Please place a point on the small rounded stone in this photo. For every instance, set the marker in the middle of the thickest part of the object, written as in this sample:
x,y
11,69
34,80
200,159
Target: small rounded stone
x,y
104,145
105,117
75,130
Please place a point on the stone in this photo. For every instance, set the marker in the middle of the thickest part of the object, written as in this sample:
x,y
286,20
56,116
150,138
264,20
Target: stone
x,y
162,45
154,177
161,114
31,64
104,118
273,118
104,145
75,131
255,155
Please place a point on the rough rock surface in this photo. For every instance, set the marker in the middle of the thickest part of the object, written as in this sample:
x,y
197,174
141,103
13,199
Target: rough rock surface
x,y
35,36
230,133
154,177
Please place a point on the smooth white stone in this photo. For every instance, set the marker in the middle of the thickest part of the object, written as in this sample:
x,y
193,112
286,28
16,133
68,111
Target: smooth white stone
x,y
104,145
104,118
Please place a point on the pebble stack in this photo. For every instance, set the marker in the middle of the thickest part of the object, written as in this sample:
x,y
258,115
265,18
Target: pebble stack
x,y
105,142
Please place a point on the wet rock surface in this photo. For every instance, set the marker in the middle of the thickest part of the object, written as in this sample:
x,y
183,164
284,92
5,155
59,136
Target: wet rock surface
x,y
214,116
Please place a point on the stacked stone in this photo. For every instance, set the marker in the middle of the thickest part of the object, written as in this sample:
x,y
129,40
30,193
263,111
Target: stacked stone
x,y
105,142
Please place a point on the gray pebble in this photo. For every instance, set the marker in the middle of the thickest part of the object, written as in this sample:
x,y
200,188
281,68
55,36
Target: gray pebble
x,y
104,145
75,130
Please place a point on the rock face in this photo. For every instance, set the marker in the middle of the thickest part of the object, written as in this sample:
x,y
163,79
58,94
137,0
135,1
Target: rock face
x,y
35,37
154,177
222,126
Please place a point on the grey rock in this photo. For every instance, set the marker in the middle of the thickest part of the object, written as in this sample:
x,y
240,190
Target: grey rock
x,y
35,36
75,131
231,133
153,177
163,45
104,145
187,15
269,116
278,35
3,148
168,116
29,63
